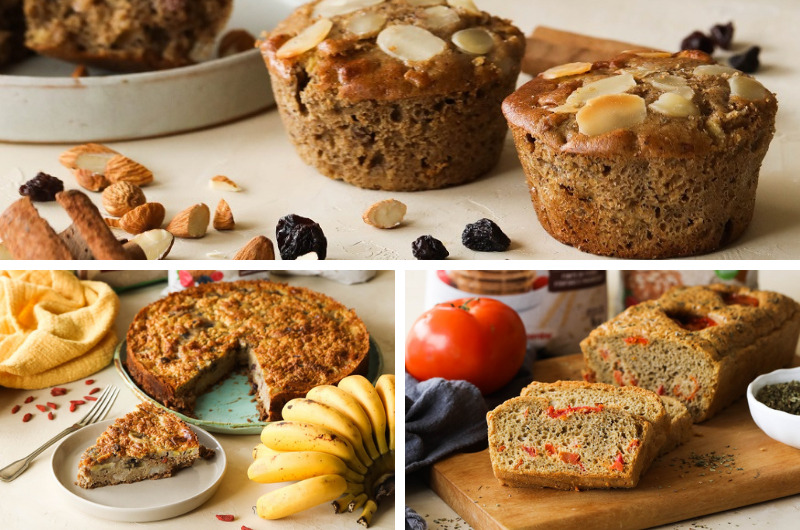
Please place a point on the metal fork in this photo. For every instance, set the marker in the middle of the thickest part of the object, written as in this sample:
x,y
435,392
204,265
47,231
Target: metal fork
x,y
95,414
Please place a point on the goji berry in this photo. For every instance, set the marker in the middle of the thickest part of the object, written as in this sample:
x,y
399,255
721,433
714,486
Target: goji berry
x,y
50,415
57,391
72,407
15,409
52,405
95,390
29,399
27,417
89,381
227,518
41,408
245,528
90,398
77,401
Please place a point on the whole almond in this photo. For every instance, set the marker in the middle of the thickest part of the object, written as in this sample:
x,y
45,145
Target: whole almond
x,y
89,180
120,168
69,157
122,197
191,223
146,217
223,217
259,247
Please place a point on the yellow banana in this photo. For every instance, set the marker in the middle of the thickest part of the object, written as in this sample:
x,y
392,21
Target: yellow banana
x,y
340,400
307,410
340,505
385,388
262,451
366,516
302,436
357,503
300,496
299,465
362,390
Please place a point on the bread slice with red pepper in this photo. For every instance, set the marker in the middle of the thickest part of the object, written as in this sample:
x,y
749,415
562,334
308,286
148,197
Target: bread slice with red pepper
x,y
680,424
533,443
702,345
634,400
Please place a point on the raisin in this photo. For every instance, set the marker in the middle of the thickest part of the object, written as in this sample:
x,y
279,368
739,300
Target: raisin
x,y
298,236
42,187
428,247
485,236
722,35
698,41
746,62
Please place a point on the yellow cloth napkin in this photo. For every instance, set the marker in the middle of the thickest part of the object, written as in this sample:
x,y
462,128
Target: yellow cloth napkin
x,y
54,328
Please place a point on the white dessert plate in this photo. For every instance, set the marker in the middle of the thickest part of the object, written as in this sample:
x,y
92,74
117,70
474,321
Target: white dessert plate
x,y
41,103
149,500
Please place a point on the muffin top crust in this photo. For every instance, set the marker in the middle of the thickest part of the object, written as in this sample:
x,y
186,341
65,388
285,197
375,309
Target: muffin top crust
x,y
393,49
643,103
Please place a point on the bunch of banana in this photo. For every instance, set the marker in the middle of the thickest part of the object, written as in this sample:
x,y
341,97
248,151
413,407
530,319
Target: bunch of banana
x,y
337,443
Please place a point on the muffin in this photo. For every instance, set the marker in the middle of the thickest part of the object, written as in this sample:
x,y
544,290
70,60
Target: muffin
x,y
648,155
394,95
126,35
12,31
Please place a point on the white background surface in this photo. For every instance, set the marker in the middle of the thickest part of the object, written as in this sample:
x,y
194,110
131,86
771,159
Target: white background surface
x,y
256,153
779,514
34,500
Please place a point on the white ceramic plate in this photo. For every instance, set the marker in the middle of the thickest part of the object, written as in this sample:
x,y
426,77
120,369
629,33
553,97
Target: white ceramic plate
x,y
40,102
149,500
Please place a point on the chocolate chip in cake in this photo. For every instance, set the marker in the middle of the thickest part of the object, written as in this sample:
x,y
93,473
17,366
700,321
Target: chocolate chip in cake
x,y
746,62
428,247
485,236
42,187
698,41
298,236
722,35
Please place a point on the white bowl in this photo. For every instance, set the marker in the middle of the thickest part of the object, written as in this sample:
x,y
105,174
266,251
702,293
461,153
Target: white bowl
x,y
776,424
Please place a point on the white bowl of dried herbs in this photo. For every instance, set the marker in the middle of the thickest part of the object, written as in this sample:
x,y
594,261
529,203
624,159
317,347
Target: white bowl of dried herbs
x,y
774,401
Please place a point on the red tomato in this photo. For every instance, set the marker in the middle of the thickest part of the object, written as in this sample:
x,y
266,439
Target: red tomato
x,y
478,339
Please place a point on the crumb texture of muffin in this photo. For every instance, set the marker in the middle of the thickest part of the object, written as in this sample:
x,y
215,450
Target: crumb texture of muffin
x,y
648,155
394,94
126,35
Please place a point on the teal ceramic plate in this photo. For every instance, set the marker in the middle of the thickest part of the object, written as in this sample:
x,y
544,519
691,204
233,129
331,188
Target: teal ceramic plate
x,y
227,407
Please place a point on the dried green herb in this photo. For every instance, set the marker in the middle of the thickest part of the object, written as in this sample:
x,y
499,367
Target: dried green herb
x,y
781,396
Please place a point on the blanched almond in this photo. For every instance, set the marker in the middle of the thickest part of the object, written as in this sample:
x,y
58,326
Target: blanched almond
x,y
672,83
713,69
440,17
615,84
747,88
122,169
476,41
564,70
387,213
610,112
425,2
332,8
410,43
675,105
190,223
466,5
366,24
305,40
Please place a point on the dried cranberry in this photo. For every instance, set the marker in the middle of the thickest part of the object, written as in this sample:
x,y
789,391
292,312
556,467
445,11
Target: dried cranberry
x,y
42,187
428,247
746,62
698,41
722,35
297,236
485,236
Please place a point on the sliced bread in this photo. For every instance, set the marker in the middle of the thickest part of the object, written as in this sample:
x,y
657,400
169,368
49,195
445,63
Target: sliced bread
x,y
680,424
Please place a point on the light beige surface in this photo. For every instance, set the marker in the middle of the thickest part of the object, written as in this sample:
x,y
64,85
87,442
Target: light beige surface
x,y
35,501
257,154
781,513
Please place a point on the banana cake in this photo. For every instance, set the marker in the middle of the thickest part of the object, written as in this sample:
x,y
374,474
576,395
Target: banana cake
x,y
289,339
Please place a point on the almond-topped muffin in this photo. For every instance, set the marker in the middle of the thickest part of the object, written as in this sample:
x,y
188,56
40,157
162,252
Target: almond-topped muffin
x,y
648,155
394,94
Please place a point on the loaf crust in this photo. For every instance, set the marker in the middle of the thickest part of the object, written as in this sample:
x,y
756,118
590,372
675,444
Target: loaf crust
x,y
375,121
668,186
291,339
528,446
702,345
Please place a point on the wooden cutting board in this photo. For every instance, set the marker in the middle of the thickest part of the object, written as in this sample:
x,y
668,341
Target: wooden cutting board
x,y
728,463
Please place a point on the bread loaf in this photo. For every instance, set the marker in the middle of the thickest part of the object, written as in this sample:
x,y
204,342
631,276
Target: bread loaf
x,y
680,424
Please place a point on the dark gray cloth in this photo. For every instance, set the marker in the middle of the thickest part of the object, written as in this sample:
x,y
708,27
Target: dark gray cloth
x,y
415,521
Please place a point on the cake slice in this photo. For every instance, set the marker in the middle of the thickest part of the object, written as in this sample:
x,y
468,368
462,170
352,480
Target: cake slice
x,y
148,443
532,443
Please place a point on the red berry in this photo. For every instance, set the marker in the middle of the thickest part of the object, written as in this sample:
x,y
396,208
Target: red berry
x,y
89,381
77,402
15,409
95,390
50,415
72,407
29,399
226,518
27,417
41,408
57,391
52,405
90,398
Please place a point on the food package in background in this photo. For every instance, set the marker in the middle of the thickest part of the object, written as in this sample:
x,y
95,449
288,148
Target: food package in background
x,y
124,280
345,277
638,286
558,308
182,279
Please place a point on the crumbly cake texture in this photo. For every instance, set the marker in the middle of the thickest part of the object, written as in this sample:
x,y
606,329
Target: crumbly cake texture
x,y
701,345
12,31
148,443
126,35
660,159
532,443
290,339
357,114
